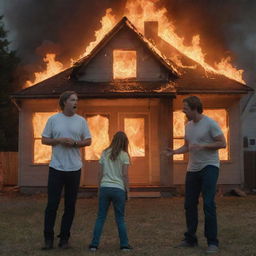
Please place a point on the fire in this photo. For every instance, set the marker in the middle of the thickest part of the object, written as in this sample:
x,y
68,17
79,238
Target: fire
x,y
139,11
42,153
52,67
124,64
179,119
134,128
99,128
107,23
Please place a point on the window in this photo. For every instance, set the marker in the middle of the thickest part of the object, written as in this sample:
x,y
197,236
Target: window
x,y
135,130
42,153
124,64
178,132
179,119
99,128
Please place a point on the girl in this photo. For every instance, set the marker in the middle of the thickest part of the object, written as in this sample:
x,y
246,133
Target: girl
x,y
113,187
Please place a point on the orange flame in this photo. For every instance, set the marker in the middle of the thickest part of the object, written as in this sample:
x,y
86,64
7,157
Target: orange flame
x,y
52,67
139,11
179,119
107,23
134,128
124,64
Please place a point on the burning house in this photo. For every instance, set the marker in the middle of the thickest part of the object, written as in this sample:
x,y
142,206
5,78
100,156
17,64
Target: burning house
x,y
135,83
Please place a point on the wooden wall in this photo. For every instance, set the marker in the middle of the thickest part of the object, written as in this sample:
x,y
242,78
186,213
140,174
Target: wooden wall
x,y
250,169
100,68
8,168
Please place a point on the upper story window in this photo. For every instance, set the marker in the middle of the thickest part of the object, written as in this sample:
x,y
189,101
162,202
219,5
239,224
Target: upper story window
x,y
179,120
124,64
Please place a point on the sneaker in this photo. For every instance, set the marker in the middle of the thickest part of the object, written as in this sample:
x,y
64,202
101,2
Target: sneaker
x,y
93,248
48,245
63,244
212,248
186,244
126,248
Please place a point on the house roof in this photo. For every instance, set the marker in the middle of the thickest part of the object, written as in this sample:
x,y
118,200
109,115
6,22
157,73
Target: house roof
x,y
125,23
54,86
186,80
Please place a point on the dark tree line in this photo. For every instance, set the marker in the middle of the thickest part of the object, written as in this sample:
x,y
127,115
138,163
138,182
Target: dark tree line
x,y
8,79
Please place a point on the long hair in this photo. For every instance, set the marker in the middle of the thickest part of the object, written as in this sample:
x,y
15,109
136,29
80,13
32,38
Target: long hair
x,y
194,103
119,142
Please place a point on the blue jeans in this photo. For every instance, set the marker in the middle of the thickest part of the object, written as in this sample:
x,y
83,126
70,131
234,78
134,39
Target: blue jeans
x,y
117,197
202,181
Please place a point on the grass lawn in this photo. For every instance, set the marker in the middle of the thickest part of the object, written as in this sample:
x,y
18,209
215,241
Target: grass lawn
x,y
154,227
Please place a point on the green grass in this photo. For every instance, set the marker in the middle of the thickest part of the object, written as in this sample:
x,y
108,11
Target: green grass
x,y
154,227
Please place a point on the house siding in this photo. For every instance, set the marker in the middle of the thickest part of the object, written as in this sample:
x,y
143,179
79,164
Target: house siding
x,y
100,68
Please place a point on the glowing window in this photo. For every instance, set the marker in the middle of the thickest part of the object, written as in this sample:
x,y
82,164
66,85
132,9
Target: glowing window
x,y
134,128
178,132
221,117
179,119
124,64
42,153
99,128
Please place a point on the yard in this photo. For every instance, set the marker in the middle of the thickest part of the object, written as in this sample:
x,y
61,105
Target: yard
x,y
154,226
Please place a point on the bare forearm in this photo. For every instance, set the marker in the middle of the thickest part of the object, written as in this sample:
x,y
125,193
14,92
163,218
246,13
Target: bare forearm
x,y
50,141
126,182
83,143
215,145
125,177
181,150
100,175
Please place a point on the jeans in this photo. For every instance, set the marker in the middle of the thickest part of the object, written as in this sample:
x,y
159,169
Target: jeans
x,y
202,181
56,181
117,197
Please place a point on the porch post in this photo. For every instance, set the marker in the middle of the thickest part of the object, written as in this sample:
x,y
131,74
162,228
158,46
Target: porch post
x,y
165,141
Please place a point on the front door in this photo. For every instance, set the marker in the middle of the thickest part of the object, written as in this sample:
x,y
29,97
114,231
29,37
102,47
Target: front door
x,y
136,128
102,128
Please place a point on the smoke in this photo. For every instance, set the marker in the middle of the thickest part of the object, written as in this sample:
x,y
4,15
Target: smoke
x,y
226,28
64,27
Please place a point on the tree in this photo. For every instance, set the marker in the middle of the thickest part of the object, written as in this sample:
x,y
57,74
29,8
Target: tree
x,y
8,113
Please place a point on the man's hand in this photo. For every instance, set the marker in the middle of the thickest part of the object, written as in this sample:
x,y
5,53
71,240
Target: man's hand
x,y
67,142
168,152
195,147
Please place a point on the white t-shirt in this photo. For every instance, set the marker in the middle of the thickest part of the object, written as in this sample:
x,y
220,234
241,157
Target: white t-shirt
x,y
112,170
202,132
74,127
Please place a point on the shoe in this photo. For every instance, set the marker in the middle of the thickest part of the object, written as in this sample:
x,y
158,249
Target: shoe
x,y
48,245
212,248
63,244
93,248
186,244
126,248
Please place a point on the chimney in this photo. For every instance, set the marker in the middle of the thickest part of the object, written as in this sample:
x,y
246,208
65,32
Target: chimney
x,y
151,30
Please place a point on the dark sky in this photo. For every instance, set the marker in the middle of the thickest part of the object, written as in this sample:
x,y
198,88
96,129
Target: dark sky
x,y
227,28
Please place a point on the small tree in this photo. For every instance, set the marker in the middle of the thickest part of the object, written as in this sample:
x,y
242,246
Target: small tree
x,y
8,113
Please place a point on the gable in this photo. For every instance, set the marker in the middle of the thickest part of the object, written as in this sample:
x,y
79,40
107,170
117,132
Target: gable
x,y
100,67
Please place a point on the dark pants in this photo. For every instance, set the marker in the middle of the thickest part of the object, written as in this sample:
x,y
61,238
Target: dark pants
x,y
203,181
56,181
117,197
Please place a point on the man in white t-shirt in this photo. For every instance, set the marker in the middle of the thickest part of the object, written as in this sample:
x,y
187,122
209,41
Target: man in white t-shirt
x,y
66,132
203,138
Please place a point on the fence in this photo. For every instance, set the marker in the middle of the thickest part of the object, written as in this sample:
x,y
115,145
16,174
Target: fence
x,y
8,168
250,169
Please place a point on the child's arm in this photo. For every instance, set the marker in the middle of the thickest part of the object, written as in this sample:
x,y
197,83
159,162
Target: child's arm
x,y
126,178
100,175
